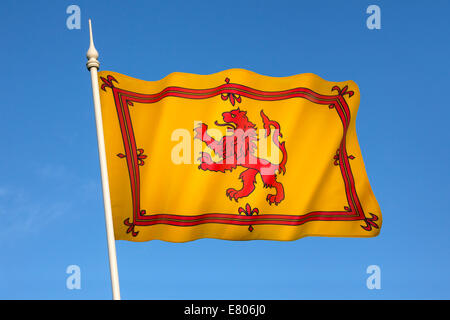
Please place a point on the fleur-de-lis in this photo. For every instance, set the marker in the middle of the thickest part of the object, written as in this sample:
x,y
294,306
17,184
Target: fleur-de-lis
x,y
370,222
336,158
108,82
141,156
232,96
130,226
248,211
343,91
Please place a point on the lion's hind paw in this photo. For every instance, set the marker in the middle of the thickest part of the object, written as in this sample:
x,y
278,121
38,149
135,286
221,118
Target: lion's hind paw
x,y
232,194
272,198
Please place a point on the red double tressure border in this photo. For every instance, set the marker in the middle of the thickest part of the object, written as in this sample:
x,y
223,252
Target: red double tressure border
x,y
234,93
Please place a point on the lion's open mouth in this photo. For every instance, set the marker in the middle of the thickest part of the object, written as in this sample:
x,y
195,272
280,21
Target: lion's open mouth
x,y
229,125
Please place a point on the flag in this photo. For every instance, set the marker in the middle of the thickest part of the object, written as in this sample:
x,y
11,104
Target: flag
x,y
235,155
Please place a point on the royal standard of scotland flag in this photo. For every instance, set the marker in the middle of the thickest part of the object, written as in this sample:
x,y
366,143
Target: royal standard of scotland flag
x,y
235,155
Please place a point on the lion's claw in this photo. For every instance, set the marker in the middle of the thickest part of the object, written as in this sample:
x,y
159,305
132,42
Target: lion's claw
x,y
232,194
272,199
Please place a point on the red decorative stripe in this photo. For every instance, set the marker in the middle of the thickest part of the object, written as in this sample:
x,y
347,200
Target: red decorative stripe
x,y
209,216
227,89
246,222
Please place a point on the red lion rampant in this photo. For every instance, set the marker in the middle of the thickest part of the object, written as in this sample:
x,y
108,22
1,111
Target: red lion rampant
x,y
238,149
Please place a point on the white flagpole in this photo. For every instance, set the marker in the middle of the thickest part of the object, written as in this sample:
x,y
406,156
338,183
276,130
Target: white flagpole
x,y
93,64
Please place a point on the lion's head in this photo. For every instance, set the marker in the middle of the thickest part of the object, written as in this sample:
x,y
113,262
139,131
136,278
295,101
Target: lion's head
x,y
236,119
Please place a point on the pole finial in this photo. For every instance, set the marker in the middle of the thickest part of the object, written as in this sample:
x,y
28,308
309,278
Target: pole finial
x,y
92,53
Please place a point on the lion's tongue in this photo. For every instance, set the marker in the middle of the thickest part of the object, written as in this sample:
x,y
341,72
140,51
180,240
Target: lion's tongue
x,y
229,125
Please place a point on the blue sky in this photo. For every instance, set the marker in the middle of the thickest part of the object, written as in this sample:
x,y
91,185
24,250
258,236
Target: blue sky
x,y
51,207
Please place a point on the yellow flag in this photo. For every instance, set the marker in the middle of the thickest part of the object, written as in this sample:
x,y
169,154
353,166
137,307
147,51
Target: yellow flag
x,y
235,155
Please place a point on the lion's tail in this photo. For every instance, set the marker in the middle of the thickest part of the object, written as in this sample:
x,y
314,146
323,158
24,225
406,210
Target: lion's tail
x,y
275,137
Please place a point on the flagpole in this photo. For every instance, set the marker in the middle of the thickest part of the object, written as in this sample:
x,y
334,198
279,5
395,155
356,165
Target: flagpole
x,y
93,65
